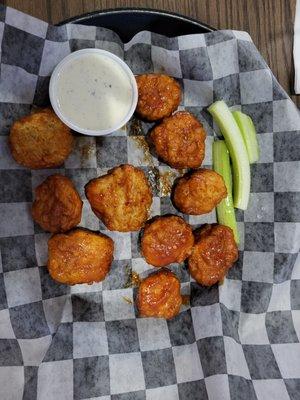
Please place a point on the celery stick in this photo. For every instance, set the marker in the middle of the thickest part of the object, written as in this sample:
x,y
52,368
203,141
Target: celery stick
x,y
225,209
248,131
237,150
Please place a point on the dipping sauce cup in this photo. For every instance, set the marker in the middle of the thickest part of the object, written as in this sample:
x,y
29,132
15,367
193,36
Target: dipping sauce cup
x,y
93,92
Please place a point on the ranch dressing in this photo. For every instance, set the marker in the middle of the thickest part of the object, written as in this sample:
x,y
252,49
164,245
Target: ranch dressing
x,y
94,92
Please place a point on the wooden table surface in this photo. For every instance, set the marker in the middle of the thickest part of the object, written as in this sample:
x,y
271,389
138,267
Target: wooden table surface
x,y
269,22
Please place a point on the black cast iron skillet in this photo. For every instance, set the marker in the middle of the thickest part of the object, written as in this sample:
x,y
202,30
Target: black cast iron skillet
x,y
126,22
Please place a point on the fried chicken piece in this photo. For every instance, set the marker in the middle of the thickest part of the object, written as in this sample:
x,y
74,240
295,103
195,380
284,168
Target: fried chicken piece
x,y
158,96
180,140
57,206
213,254
166,240
159,295
199,192
40,140
121,198
79,256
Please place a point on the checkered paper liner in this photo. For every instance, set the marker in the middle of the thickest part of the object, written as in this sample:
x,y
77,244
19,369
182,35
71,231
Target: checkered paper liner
x,y
236,341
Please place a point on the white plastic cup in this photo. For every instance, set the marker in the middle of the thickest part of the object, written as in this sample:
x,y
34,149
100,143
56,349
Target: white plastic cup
x,y
54,98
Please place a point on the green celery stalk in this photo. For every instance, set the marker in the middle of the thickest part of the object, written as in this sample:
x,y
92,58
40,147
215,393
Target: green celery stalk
x,y
225,209
237,150
248,131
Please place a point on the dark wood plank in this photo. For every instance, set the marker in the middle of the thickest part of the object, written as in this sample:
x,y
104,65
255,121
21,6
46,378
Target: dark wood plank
x,y
269,22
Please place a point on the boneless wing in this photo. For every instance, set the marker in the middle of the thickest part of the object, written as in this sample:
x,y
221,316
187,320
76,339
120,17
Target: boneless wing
x,y
79,256
158,96
167,239
40,140
159,295
57,206
121,198
213,254
199,192
179,140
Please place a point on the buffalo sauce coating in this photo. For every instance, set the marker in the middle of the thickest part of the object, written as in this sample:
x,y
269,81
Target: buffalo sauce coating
x,y
213,254
158,96
159,295
180,140
57,206
121,198
166,182
199,192
79,256
166,240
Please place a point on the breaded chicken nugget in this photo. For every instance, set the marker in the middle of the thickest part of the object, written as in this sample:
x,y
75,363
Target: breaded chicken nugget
x,y
79,256
159,295
57,206
158,96
180,140
121,198
199,192
167,240
40,140
213,254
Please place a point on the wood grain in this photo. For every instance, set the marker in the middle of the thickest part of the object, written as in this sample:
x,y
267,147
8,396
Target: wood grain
x,y
269,22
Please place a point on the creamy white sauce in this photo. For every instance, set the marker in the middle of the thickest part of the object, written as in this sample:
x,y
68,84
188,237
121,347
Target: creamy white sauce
x,y
94,92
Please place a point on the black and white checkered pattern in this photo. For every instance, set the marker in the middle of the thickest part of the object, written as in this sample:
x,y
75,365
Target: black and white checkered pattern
x,y
236,341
